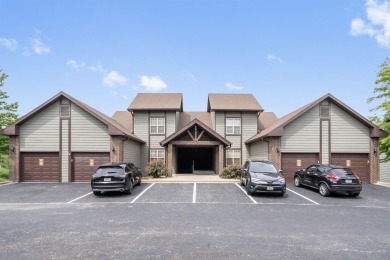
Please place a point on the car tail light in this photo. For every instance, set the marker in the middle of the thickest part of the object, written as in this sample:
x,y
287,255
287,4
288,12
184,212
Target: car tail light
x,y
332,177
357,177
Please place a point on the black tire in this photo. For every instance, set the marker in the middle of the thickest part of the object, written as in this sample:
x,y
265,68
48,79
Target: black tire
x,y
129,189
297,181
354,194
323,189
247,186
139,181
97,193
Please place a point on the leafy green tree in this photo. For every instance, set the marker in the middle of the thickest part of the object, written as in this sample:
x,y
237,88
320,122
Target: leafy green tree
x,y
7,114
382,94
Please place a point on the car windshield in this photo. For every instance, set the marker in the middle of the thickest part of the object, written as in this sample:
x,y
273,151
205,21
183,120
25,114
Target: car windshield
x,y
262,167
110,170
341,172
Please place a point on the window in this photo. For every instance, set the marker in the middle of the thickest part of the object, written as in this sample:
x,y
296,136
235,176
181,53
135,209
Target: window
x,y
157,155
157,125
233,156
233,126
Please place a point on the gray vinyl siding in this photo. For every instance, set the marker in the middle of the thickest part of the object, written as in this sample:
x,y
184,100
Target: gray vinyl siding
x,y
131,152
88,133
212,113
220,123
155,141
233,114
65,151
303,134
141,129
41,133
348,135
249,129
235,140
384,169
259,150
325,142
171,123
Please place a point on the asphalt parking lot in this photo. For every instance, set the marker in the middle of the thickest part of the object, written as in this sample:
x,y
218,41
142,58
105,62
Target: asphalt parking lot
x,y
191,221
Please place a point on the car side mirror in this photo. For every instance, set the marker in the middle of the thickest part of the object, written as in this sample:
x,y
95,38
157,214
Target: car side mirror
x,y
281,172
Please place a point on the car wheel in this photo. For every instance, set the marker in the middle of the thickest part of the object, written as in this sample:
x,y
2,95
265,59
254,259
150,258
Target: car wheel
x,y
129,189
139,181
297,181
323,189
247,186
97,193
354,194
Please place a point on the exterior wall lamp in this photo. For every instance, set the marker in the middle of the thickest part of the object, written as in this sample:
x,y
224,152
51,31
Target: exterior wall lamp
x,y
13,149
113,149
277,150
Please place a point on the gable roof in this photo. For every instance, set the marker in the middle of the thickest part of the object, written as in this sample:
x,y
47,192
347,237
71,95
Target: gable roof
x,y
266,119
186,117
114,128
191,124
124,118
233,102
276,128
157,101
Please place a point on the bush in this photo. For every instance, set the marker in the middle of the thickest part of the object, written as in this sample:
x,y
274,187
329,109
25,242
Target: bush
x,y
4,175
156,169
231,171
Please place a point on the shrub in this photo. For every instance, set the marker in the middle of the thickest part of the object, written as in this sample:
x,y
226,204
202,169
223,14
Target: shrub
x,y
4,175
231,171
156,169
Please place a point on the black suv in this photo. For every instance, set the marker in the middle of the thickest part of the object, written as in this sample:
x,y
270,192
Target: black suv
x,y
262,176
329,179
119,176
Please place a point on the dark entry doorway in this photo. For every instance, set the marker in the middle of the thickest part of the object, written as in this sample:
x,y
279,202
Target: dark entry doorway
x,y
189,159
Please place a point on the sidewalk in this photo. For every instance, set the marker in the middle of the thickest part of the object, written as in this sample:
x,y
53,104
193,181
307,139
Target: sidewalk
x,y
189,178
385,184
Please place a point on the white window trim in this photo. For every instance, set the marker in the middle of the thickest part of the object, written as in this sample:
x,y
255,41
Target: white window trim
x,y
160,122
236,155
236,123
160,154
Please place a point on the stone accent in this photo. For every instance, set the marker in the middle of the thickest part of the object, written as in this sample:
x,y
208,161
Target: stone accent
x,y
275,151
170,160
116,149
14,159
374,160
220,159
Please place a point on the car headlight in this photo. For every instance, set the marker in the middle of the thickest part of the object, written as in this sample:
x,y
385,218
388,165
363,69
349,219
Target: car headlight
x,y
282,180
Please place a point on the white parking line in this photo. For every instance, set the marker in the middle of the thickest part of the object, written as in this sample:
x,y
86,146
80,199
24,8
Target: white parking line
x,y
312,201
252,199
194,194
79,198
135,199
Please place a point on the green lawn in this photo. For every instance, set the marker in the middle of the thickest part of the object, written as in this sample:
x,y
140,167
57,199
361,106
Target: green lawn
x,y
4,173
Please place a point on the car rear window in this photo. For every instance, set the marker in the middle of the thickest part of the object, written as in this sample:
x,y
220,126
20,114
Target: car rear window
x,y
262,167
341,172
110,170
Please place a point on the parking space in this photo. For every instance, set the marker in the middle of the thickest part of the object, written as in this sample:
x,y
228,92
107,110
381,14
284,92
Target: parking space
x,y
228,193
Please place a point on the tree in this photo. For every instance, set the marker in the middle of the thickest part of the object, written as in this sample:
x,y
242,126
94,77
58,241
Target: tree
x,y
7,114
382,94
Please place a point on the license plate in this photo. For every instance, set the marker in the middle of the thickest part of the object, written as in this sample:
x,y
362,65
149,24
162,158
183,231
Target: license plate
x,y
348,181
107,179
270,188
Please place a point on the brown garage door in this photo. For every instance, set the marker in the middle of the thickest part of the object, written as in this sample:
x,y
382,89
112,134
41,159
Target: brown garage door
x,y
358,164
291,162
84,164
40,167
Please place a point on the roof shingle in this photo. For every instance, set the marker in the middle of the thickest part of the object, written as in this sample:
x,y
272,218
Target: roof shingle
x,y
233,102
157,101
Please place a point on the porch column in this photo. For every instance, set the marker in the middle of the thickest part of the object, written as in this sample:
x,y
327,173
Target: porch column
x,y
170,160
220,158
374,160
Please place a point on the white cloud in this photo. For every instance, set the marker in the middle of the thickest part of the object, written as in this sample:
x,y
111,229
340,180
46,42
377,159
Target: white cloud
x,y
191,77
37,45
230,85
113,78
378,24
98,68
74,64
273,58
153,83
10,44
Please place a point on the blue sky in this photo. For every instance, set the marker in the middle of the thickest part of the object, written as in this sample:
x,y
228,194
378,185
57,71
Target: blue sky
x,y
286,53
